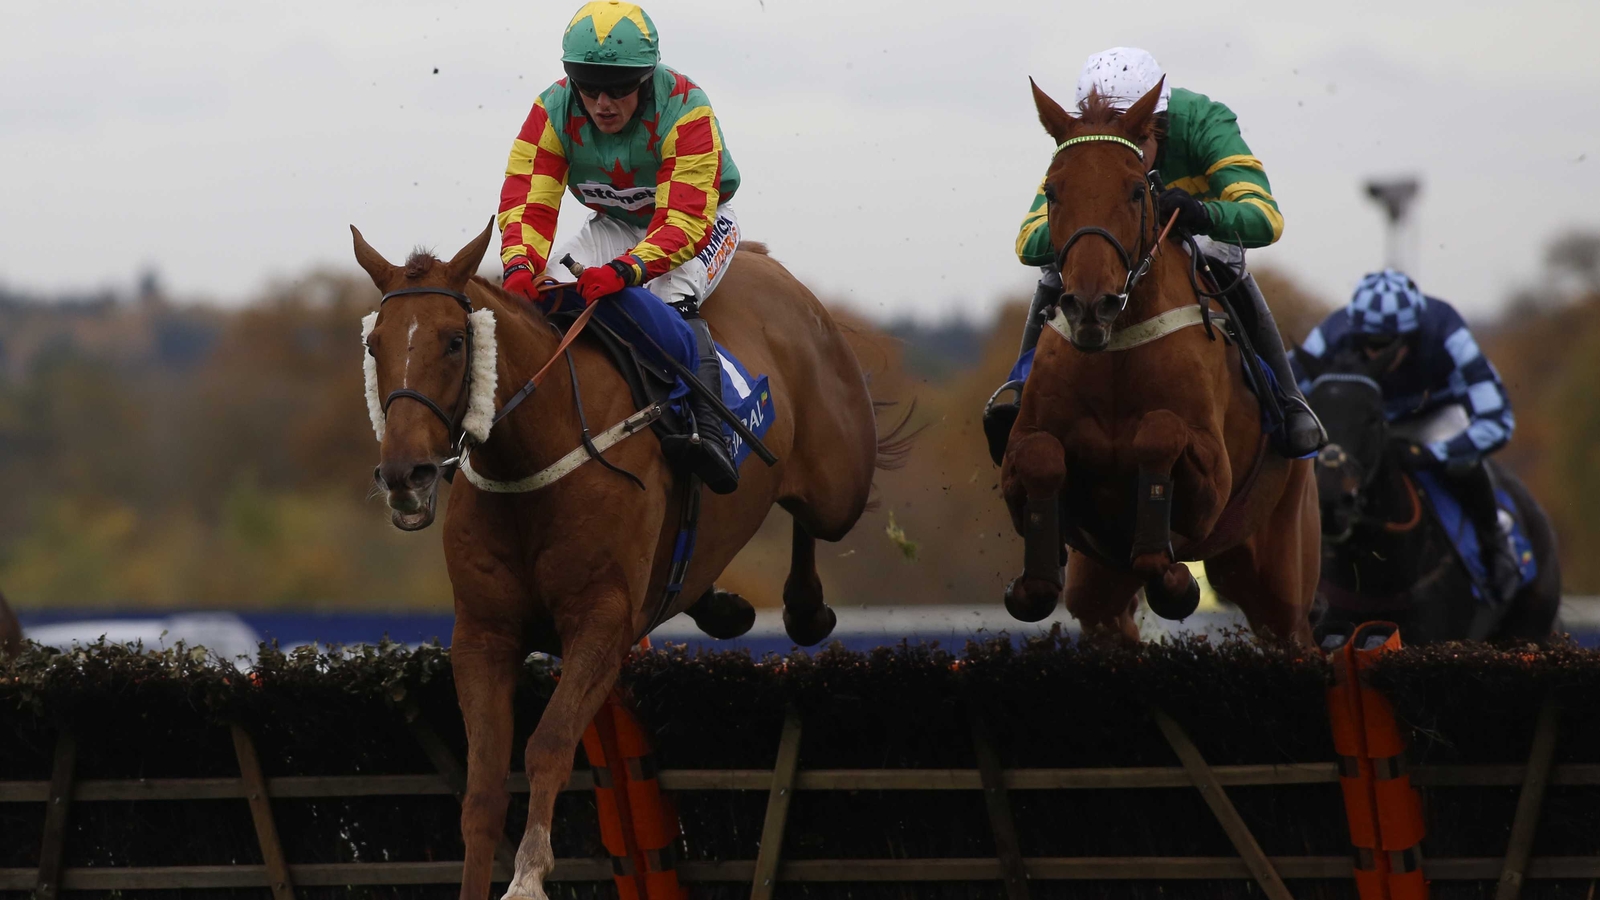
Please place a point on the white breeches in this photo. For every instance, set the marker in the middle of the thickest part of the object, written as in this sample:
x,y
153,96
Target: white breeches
x,y
602,239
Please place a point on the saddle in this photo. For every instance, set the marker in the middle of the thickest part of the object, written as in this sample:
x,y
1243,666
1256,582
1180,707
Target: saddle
x,y
649,381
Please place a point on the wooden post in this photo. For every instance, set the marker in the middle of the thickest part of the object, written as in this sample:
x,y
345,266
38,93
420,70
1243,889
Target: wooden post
x,y
51,849
255,787
1211,789
1001,823
783,777
1534,781
454,774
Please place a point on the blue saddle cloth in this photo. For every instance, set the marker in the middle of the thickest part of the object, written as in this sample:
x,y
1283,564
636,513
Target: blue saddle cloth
x,y
1452,517
1271,422
634,310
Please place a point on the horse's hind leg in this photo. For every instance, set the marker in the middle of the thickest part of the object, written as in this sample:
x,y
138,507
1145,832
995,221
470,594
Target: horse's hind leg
x,y
805,616
722,615
1273,576
1102,599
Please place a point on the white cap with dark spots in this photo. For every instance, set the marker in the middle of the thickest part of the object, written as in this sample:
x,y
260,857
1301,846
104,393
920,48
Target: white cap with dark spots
x,y
1122,75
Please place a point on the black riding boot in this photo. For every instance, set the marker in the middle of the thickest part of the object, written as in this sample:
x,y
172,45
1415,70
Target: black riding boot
x,y
1475,489
999,417
711,459
1302,430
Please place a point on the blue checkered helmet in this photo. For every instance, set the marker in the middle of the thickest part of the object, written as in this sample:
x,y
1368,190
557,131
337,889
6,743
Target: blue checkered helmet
x,y
1387,302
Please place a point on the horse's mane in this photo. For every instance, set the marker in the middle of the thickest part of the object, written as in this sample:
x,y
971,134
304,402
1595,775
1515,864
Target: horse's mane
x,y
506,302
420,262
1098,110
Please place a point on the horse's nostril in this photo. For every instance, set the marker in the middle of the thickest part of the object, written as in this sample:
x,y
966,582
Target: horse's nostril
x,y
1069,301
422,476
1110,304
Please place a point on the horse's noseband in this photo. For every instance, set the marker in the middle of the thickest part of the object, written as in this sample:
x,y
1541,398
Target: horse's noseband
x,y
452,423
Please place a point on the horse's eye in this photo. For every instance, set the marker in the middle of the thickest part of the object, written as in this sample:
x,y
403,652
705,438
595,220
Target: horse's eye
x,y
1050,193
371,352
456,343
1137,195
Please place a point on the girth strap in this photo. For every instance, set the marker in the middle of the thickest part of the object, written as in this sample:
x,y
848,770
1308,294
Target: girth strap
x,y
566,465
1141,333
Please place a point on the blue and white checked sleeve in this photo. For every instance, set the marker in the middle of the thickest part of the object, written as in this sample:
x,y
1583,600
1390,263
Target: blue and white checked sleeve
x,y
1476,381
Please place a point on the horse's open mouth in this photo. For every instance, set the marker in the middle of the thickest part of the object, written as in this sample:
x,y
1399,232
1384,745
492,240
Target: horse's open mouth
x,y
413,510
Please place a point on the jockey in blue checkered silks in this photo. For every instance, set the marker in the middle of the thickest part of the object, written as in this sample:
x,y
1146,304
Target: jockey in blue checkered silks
x,y
1439,366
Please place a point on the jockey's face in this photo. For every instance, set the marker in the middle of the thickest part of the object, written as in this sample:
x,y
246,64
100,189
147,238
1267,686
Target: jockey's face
x,y
610,114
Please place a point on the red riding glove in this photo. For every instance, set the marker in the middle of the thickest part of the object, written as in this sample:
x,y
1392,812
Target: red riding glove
x,y
602,281
519,281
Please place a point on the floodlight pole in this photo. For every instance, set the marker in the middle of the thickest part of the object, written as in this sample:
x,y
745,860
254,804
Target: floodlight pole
x,y
1396,196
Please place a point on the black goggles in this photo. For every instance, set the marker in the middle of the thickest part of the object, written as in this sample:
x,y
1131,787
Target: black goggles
x,y
614,91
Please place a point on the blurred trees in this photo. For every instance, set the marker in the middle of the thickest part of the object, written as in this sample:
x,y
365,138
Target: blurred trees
x,y
169,456
161,455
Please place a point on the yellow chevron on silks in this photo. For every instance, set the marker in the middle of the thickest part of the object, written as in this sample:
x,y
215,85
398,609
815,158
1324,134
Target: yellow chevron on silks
x,y
1194,185
1243,161
1274,218
607,15
1035,220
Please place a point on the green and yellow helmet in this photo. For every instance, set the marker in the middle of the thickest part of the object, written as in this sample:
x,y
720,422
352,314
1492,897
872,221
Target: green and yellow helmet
x,y
610,43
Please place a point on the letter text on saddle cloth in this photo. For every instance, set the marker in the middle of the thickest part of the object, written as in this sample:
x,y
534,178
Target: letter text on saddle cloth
x,y
634,310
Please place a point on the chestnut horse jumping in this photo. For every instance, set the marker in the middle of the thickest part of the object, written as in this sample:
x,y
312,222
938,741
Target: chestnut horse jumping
x,y
1137,441
576,568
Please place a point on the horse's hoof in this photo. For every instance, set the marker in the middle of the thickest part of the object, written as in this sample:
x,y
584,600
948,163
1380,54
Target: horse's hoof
x,y
1175,595
1031,599
810,629
722,615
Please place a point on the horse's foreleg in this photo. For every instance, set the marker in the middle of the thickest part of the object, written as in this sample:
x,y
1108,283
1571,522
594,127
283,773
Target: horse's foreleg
x,y
806,618
484,659
591,660
1034,471
1170,588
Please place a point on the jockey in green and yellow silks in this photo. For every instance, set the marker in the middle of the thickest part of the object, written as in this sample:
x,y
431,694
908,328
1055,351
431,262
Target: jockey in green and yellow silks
x,y
638,144
1219,190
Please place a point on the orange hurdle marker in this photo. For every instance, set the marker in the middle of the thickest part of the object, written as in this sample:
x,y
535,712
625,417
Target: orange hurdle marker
x,y
1384,810
638,824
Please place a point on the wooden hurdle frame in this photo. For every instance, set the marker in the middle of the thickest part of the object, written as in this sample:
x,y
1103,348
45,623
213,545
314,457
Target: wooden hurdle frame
x,y
62,790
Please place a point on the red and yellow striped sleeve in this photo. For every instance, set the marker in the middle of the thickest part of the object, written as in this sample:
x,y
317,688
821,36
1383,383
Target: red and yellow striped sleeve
x,y
686,195
536,176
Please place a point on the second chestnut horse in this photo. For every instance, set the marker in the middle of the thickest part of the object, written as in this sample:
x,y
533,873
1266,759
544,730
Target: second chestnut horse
x,y
1137,440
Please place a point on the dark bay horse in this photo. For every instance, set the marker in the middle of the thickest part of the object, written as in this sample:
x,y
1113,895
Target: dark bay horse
x,y
1385,556
575,568
1137,440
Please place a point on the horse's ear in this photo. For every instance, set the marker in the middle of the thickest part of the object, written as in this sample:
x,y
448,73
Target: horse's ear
x,y
1139,118
466,263
1054,119
379,268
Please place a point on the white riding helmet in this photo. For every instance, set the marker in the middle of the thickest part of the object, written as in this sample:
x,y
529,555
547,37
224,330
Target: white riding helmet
x,y
1122,75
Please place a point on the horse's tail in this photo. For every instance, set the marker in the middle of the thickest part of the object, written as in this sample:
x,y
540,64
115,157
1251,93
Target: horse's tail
x,y
895,446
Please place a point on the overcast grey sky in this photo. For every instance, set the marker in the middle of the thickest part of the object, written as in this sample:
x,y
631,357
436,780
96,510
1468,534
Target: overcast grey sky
x,y
888,149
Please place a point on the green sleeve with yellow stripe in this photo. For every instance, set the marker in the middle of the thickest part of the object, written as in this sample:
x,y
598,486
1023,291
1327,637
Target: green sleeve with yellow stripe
x,y
1205,155
1033,241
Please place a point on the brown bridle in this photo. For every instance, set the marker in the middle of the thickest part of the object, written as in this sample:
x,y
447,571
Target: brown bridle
x,y
458,436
